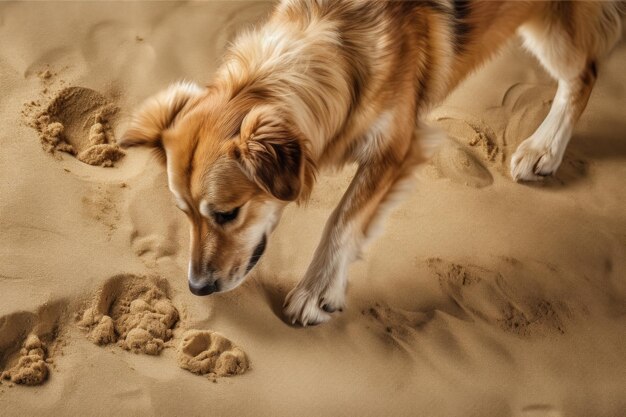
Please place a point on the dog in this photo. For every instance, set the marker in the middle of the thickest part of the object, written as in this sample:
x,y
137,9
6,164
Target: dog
x,y
324,83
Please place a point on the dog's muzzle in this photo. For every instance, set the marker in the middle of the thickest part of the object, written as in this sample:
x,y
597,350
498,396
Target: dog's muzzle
x,y
200,283
200,286
203,288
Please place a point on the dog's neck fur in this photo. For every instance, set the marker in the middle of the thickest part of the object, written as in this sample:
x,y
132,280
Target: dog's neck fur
x,y
336,79
297,66
333,77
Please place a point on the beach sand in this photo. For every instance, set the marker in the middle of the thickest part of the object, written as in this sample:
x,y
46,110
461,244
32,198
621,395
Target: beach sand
x,y
483,297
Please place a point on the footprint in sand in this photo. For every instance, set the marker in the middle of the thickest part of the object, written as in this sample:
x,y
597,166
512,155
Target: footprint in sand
x,y
133,311
100,203
28,342
153,241
524,118
516,306
136,313
397,322
208,353
79,121
396,328
473,131
31,367
452,161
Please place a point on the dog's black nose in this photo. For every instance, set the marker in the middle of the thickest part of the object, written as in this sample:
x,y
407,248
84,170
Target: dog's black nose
x,y
204,288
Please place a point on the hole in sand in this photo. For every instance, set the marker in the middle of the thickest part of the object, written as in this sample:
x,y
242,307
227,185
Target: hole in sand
x,y
208,353
133,311
28,343
79,121
31,367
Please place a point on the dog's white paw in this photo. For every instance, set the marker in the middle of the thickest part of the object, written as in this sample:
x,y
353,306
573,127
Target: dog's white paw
x,y
303,306
333,298
308,307
531,162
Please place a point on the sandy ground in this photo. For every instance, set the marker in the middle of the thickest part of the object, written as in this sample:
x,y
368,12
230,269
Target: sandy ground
x,y
483,297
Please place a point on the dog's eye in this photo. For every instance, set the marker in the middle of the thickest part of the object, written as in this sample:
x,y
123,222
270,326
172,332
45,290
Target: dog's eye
x,y
223,217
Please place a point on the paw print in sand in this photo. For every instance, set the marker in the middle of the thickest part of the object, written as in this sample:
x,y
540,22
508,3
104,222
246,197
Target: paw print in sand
x,y
79,121
133,311
31,367
208,353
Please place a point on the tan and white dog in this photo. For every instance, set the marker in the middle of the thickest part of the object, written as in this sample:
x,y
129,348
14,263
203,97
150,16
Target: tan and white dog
x,y
323,83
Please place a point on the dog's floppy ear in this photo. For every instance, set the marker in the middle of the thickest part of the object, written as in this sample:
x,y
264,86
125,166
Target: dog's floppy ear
x,y
157,114
272,153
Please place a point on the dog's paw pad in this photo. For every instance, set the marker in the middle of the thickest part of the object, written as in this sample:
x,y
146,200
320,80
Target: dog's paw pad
x,y
134,311
208,353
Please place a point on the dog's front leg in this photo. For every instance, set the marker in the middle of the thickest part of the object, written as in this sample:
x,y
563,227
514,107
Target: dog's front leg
x,y
322,290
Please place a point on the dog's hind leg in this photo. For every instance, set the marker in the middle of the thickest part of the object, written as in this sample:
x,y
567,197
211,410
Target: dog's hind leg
x,y
569,39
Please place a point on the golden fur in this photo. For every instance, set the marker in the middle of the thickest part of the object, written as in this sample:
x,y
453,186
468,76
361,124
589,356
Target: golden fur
x,y
323,83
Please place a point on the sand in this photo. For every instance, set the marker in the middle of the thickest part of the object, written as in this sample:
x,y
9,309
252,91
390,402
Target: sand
x,y
77,121
134,311
209,353
31,368
483,297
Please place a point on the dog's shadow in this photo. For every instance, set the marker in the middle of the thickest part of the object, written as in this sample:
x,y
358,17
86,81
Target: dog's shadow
x,y
275,294
607,142
262,292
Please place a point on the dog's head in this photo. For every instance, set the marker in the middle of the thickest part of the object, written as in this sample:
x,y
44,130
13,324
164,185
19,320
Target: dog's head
x,y
233,163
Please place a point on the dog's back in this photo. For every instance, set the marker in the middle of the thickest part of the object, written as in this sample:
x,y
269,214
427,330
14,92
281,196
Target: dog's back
x,y
328,82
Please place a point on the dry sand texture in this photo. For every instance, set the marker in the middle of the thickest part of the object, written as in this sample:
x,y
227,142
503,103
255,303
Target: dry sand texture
x,y
134,311
483,297
205,352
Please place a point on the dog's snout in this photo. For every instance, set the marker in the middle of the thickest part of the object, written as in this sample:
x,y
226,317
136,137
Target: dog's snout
x,y
203,288
202,282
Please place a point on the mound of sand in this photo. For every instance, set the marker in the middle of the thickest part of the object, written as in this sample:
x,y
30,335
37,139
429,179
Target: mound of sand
x,y
208,353
78,121
30,340
31,367
134,311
